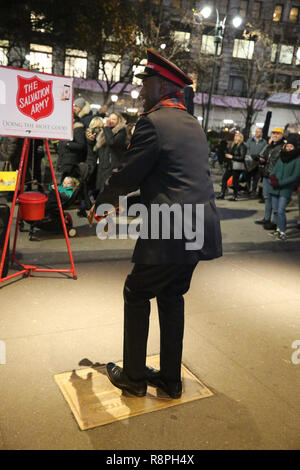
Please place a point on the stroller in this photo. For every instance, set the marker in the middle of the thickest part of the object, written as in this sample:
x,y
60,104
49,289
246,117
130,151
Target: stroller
x,y
52,221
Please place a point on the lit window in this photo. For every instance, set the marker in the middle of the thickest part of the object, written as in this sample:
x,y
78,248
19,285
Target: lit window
x,y
3,52
274,52
243,8
208,45
110,68
294,13
243,49
138,69
41,58
75,63
183,38
286,54
139,40
277,13
298,56
256,10
36,20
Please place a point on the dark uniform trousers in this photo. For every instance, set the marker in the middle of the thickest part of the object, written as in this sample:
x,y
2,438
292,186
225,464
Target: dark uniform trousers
x,y
168,283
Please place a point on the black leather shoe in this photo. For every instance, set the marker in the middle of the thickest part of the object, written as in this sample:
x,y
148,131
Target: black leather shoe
x,y
120,380
260,222
221,196
153,377
270,226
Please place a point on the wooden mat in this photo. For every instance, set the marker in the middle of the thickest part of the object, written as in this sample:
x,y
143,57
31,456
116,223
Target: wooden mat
x,y
94,401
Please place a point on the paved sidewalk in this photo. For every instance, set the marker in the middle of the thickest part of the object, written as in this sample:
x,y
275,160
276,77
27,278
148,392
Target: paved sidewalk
x,y
242,316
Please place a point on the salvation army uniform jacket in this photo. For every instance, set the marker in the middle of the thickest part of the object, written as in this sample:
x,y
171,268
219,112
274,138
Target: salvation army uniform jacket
x,y
168,161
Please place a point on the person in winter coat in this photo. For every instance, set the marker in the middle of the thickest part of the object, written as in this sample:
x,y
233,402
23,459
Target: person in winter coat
x,y
222,148
108,149
168,161
284,179
236,157
82,110
267,163
73,152
255,146
88,169
10,151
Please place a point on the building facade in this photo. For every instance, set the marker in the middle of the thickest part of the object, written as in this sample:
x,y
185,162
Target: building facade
x,y
268,25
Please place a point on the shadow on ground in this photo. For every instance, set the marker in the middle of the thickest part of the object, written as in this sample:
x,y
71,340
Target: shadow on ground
x,y
227,214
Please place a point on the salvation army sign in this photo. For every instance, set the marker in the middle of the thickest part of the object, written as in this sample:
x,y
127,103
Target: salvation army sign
x,y
35,97
35,104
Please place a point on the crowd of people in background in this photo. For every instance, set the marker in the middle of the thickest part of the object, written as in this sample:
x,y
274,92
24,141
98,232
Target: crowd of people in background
x,y
264,169
98,145
269,169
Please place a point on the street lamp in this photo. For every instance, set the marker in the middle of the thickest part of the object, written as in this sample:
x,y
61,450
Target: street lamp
x,y
218,38
135,94
114,99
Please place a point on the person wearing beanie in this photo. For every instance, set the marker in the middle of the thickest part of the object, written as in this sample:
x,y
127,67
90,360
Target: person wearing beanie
x,y
82,111
267,161
79,103
72,152
284,179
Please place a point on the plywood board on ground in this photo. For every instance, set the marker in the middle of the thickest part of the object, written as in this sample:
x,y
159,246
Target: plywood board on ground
x,y
94,401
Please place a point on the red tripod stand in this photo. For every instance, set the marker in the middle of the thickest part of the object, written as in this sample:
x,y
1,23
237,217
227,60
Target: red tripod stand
x,y
25,268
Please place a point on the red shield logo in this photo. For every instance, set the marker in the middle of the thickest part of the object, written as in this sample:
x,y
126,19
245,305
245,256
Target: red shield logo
x,y
35,97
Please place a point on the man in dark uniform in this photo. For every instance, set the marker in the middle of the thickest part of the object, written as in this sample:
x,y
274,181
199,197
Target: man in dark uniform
x,y
168,161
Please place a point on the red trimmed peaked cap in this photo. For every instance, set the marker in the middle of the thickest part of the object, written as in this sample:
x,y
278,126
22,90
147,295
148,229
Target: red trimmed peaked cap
x,y
157,65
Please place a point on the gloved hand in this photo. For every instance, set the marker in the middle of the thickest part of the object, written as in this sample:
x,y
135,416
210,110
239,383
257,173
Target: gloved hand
x,y
274,181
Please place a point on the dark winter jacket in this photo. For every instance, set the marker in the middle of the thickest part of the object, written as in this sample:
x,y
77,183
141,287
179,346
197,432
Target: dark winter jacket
x,y
238,152
255,147
106,153
271,155
168,161
288,175
73,152
10,150
86,115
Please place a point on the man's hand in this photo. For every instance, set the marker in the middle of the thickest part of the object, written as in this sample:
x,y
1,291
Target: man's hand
x,y
227,155
89,135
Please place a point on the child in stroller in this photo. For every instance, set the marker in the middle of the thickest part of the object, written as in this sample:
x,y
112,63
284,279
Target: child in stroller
x,y
69,190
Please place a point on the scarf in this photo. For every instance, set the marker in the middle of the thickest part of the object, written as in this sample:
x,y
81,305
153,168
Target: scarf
x,y
100,139
287,157
174,100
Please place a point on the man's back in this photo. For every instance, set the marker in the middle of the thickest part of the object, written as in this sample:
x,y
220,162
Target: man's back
x,y
182,170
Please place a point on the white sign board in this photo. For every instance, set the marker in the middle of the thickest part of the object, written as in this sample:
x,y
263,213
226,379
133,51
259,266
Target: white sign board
x,y
35,104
